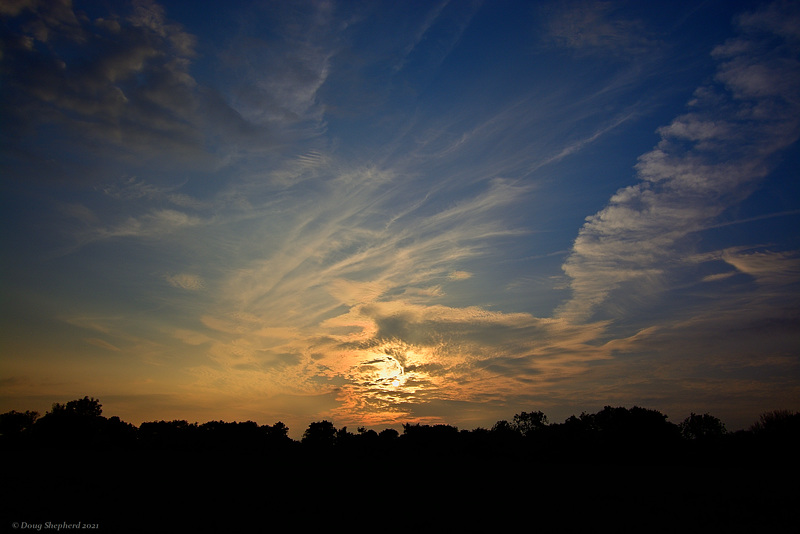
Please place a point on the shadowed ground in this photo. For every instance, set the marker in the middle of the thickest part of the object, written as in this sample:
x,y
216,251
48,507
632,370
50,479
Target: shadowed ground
x,y
163,491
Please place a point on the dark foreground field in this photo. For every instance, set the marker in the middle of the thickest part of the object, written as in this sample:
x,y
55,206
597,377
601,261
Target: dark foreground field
x,y
171,491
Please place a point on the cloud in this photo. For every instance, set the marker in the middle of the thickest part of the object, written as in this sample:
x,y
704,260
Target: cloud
x,y
156,223
132,189
420,32
165,229
190,282
347,262
588,26
707,160
769,268
132,90
276,79
97,342
404,357
718,276
460,275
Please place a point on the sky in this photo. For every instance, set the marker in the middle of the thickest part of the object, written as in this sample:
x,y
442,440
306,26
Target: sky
x,y
380,212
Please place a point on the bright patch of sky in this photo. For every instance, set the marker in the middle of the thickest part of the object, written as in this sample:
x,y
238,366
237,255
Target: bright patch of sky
x,y
387,212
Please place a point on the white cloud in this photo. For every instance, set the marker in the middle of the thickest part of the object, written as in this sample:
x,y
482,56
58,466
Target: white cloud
x,y
701,166
767,267
460,275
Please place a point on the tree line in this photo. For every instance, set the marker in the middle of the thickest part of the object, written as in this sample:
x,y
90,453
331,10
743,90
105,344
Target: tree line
x,y
616,434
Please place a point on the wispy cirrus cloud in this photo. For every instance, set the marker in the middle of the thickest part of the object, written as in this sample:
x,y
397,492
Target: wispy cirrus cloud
x,y
133,188
191,282
277,79
707,160
156,223
589,27
348,262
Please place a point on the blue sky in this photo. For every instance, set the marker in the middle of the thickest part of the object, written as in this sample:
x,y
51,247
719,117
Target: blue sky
x,y
386,212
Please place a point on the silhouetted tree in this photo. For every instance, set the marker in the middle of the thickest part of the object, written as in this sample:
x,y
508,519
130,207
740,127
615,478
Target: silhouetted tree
x,y
636,422
78,423
15,422
343,437
231,436
367,437
699,427
614,433
14,427
778,423
176,434
85,407
777,438
369,433
503,427
430,432
321,434
276,435
526,423
117,433
388,434
278,430
430,439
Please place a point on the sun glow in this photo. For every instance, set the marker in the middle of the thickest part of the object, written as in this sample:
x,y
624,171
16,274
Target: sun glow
x,y
391,367
381,371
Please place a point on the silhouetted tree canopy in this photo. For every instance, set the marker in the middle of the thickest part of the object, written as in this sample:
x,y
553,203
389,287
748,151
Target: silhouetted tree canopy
x,y
388,434
15,422
85,407
321,434
778,423
527,423
614,434
701,427
504,428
